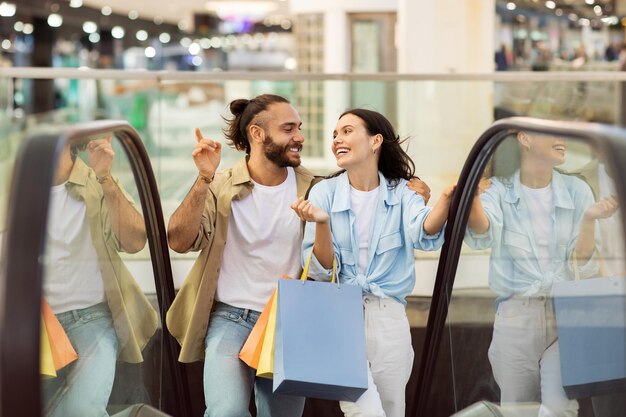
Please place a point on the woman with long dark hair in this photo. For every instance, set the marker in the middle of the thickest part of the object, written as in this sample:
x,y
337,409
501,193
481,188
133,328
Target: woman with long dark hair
x,y
369,220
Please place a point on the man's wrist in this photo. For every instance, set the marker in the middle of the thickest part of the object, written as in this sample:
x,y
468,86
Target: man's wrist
x,y
205,179
104,178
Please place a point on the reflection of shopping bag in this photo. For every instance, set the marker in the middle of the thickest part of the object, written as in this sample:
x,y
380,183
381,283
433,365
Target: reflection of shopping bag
x,y
266,357
320,340
46,364
591,325
56,348
251,350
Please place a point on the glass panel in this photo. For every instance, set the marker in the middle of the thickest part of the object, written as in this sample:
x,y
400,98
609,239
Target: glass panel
x,y
537,314
99,285
11,135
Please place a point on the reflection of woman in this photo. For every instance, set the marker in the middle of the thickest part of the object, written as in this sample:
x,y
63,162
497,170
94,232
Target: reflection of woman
x,y
102,309
370,221
539,225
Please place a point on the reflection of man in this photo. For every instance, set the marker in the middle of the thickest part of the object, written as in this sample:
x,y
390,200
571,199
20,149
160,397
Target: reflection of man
x,y
102,309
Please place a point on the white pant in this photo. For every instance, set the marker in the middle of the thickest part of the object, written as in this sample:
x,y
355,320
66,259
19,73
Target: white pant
x,y
390,357
524,356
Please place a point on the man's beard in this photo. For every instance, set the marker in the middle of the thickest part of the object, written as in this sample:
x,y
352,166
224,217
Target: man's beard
x,y
278,154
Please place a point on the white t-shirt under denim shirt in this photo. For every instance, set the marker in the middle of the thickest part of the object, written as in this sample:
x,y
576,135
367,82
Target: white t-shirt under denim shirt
x,y
72,277
262,245
363,205
397,229
540,207
512,267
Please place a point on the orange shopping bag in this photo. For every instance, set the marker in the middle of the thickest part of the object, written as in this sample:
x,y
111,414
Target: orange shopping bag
x,y
266,357
251,350
58,344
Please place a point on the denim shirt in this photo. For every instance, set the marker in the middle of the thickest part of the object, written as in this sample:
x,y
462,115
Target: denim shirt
x,y
397,229
513,264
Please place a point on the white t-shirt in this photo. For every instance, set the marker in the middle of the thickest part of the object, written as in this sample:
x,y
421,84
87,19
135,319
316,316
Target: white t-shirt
x,y
262,245
72,277
539,202
363,205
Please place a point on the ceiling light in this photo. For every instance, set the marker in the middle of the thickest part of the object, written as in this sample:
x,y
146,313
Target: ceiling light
x,y
550,4
194,49
141,35
511,6
196,61
558,12
597,9
7,9
165,37
76,3
118,32
90,27
150,52
241,9
18,26
55,20
589,1
28,28
132,15
6,44
157,20
106,11
94,37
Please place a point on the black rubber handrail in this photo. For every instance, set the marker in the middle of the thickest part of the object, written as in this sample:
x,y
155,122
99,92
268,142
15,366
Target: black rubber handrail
x,y
21,273
609,141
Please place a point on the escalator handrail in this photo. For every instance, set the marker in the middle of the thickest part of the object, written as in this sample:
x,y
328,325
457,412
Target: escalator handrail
x,y
35,165
609,140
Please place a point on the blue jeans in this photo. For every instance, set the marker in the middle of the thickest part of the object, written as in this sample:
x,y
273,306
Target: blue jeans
x,y
82,388
228,381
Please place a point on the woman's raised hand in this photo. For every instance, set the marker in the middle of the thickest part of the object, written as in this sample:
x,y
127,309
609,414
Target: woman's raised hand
x,y
308,212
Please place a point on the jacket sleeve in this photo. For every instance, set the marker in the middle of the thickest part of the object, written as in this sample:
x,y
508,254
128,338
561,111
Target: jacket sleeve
x,y
414,213
492,204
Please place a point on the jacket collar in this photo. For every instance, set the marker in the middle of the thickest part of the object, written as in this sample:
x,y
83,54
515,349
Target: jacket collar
x,y
241,175
79,173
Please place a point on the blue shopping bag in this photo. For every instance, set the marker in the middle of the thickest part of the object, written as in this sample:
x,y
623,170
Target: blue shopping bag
x,y
591,326
319,346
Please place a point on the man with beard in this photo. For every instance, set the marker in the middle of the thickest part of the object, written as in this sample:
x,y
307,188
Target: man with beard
x,y
249,237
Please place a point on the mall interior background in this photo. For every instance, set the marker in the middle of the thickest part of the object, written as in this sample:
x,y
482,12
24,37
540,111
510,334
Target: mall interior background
x,y
202,54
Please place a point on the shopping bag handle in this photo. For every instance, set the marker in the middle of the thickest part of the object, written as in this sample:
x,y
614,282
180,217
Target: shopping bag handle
x,y
305,271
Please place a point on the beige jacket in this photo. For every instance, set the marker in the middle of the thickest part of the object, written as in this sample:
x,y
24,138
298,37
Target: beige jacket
x,y
134,318
188,317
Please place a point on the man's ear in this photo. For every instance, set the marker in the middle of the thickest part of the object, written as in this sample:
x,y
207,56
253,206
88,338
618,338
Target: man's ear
x,y
256,133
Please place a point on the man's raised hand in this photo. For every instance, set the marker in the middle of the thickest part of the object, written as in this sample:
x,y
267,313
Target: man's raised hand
x,y
206,155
